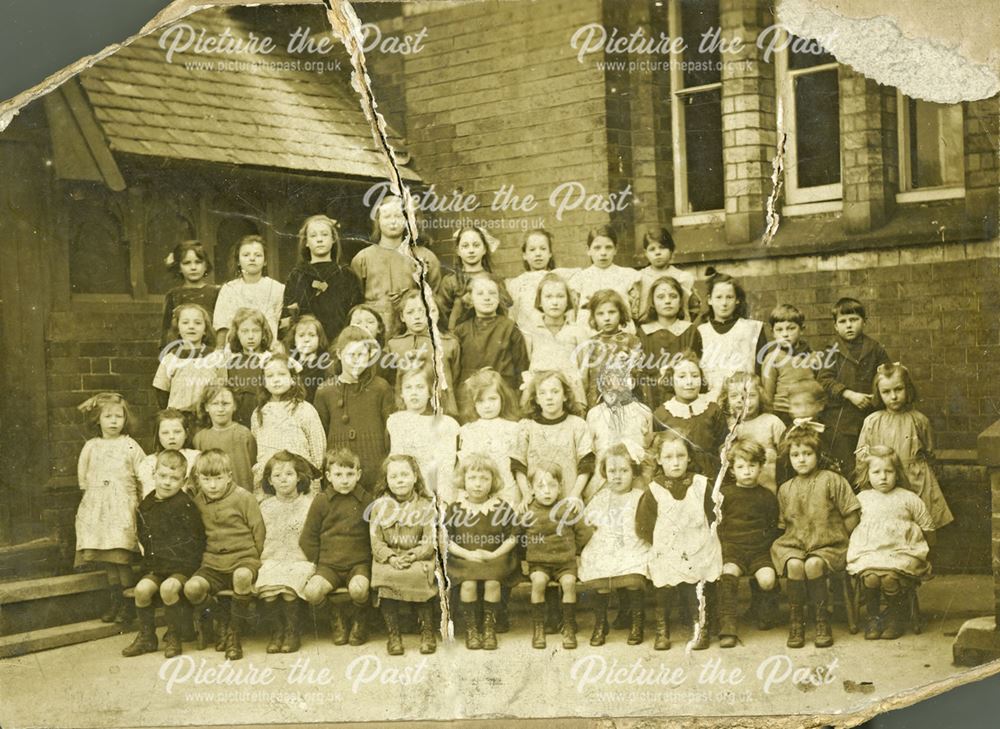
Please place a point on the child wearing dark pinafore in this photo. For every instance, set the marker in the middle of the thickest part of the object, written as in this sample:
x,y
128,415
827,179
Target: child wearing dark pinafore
x,y
355,406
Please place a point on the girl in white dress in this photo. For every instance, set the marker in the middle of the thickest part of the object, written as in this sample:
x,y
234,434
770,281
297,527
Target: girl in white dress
x,y
553,340
730,341
430,438
251,288
536,252
677,517
604,273
172,434
742,395
284,569
615,557
890,546
491,428
105,520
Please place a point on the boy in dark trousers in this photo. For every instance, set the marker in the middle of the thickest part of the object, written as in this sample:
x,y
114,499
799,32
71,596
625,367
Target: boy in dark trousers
x,y
234,538
172,539
336,537
847,377
554,533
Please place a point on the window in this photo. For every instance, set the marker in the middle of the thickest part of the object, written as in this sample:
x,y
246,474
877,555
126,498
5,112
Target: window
x,y
696,114
931,150
810,94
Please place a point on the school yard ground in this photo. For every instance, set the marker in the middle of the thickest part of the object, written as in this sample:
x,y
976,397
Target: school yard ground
x,y
92,686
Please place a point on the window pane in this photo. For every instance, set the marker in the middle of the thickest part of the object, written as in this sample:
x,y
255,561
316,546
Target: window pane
x,y
164,230
702,115
697,18
935,145
817,128
98,254
806,53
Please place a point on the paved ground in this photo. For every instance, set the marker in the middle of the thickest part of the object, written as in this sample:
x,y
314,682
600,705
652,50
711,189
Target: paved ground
x,y
90,685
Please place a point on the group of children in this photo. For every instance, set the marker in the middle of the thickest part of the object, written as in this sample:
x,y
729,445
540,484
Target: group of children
x,y
565,427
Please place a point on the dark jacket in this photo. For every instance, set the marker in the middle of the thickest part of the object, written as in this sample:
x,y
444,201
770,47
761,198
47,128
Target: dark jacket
x,y
171,534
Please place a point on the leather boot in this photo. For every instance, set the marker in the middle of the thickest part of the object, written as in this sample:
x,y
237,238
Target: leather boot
x,y
125,614
359,624
664,598
569,625
202,616
115,600
220,623
767,612
338,626
699,627
239,613
490,626
145,640
796,614
471,616
622,617
503,615
292,611
819,596
175,629
873,605
637,615
538,624
600,634
552,610
187,622
276,621
728,608
895,609
425,619
390,614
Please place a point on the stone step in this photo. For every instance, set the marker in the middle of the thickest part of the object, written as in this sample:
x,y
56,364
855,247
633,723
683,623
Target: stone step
x,y
57,636
37,558
46,602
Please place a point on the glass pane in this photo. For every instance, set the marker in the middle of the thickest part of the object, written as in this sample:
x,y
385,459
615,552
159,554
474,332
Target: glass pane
x,y
806,53
935,145
817,128
228,234
703,139
164,230
98,255
697,18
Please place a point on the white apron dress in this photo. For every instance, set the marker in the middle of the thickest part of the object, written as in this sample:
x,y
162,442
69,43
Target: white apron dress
x,y
724,354
685,548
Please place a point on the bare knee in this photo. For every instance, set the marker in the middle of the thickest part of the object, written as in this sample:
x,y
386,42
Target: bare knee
x,y
766,578
491,591
871,581
568,585
242,581
144,592
196,590
815,568
795,569
469,591
170,591
358,589
731,569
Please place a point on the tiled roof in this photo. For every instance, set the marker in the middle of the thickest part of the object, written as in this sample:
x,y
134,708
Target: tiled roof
x,y
198,108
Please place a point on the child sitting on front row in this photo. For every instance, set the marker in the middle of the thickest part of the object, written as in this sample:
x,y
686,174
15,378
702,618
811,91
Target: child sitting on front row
x,y
234,539
818,512
889,549
615,558
172,538
335,537
747,529
481,541
675,516
554,533
284,569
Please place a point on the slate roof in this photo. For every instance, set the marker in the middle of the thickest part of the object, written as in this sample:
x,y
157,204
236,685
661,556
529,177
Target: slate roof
x,y
268,117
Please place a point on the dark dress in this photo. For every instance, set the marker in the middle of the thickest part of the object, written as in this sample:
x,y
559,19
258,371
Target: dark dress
x,y
326,290
492,342
353,416
205,296
748,527
702,424
245,377
658,348
472,529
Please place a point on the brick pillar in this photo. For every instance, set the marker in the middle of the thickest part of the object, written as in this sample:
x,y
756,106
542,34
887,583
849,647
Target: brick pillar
x,y
869,151
978,640
982,127
748,119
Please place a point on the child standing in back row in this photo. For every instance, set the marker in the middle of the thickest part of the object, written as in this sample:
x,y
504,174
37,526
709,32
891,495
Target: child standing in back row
x,y
188,262
474,247
251,287
658,245
731,341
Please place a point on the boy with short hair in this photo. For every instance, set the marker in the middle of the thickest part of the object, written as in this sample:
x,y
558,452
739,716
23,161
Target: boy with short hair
x,y
788,361
659,246
234,539
336,537
172,538
847,377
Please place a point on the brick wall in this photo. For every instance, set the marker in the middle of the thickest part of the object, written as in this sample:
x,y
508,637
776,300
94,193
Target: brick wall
x,y
482,112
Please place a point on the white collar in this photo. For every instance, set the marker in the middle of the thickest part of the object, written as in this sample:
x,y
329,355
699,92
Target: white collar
x,y
478,509
680,410
677,328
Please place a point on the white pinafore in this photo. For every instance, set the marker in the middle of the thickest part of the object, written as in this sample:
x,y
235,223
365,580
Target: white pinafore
x,y
724,354
685,548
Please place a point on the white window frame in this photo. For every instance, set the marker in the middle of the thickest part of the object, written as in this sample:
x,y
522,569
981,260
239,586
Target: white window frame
x,y
907,194
795,195
681,202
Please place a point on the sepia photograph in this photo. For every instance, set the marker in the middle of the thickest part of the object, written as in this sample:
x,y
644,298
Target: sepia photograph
x,y
381,362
